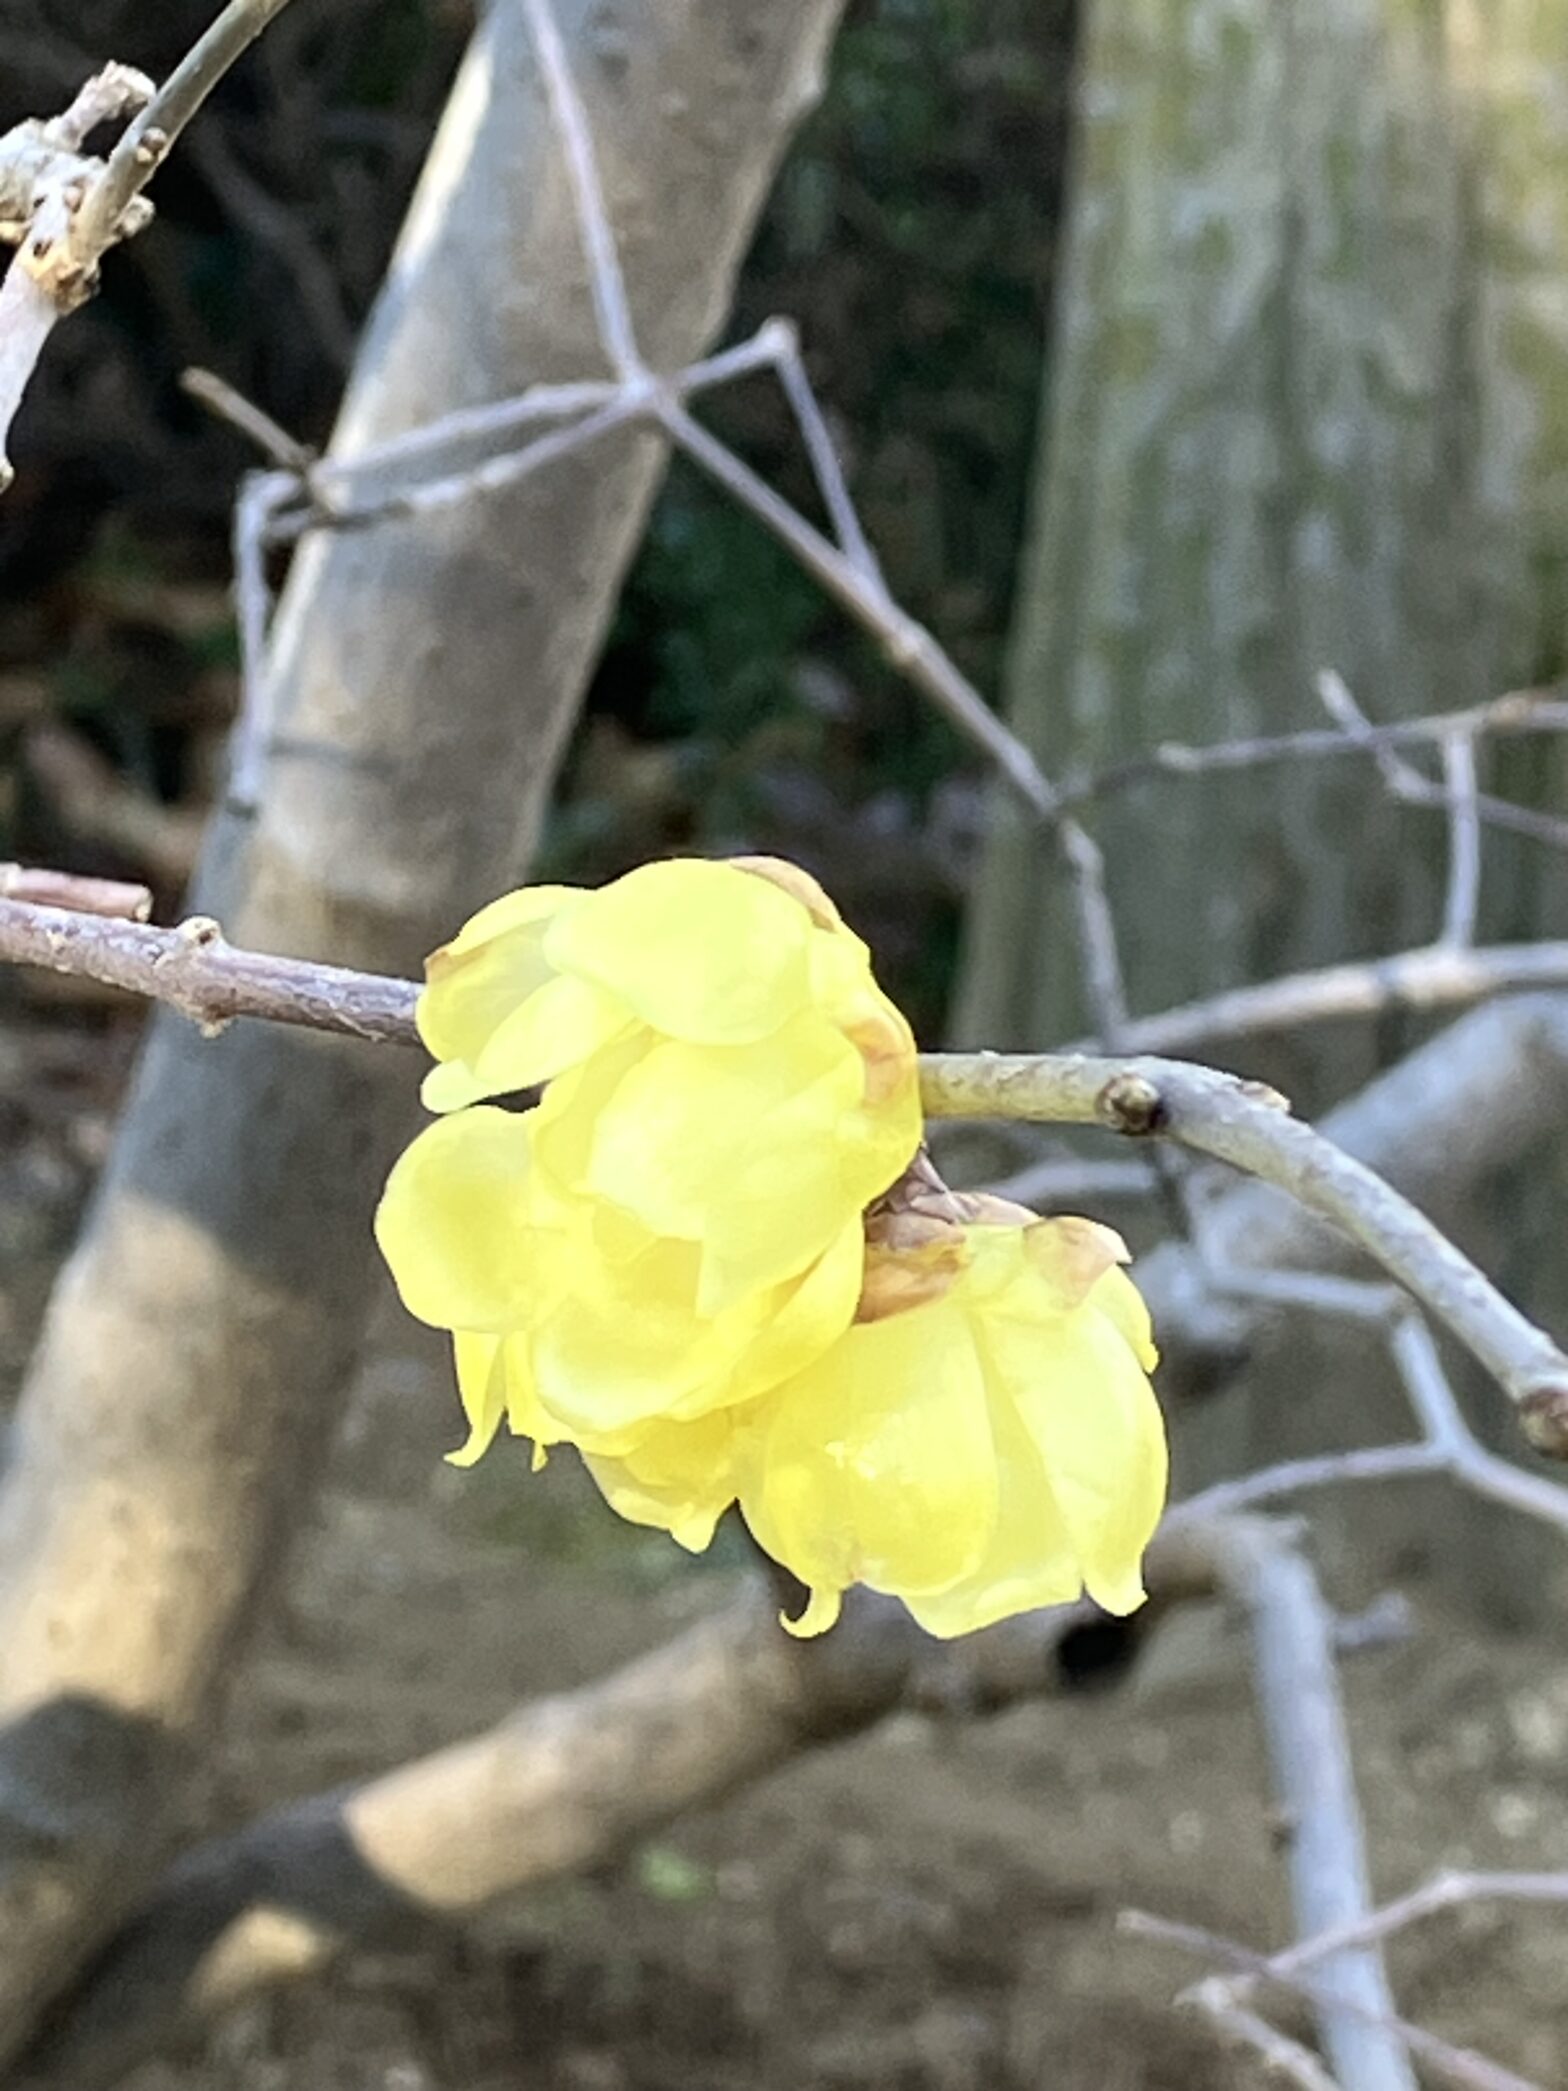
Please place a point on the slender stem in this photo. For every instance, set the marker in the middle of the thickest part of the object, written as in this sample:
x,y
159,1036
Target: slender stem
x,y
143,145
1297,1682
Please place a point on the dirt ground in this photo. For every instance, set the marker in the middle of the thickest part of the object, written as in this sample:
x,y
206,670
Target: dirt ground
x,y
929,1909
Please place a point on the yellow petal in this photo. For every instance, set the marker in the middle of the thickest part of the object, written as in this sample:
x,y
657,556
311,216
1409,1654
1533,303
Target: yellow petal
x,y
678,1478
481,1385
875,1465
454,1221
736,1147
803,1317
700,951
621,1345
822,1610
1089,1407
1116,1297
1030,1562
495,961
526,1414
561,1023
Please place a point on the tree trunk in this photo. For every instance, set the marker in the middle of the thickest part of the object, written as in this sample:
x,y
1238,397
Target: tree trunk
x,y
1306,411
425,675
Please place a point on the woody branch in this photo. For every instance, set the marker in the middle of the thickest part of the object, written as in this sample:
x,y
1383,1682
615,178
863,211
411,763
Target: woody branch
x,y
64,210
1200,1109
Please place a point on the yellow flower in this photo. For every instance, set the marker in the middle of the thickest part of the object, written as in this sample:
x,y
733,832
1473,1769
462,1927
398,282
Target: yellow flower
x,y
992,1448
677,1225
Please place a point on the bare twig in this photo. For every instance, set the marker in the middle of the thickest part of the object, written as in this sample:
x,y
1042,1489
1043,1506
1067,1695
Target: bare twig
x,y
1234,1122
1460,2067
219,397
606,281
1448,1446
82,896
820,449
77,209
1309,1751
144,145
1464,841
1408,787
1285,2060
1444,1891
195,971
1514,713
1438,977
1210,1113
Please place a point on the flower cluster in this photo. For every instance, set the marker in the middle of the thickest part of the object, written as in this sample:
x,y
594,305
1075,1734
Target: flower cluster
x,y
665,1261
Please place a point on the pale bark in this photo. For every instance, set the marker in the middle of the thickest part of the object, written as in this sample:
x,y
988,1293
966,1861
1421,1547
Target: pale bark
x,y
424,676
1305,411
559,1786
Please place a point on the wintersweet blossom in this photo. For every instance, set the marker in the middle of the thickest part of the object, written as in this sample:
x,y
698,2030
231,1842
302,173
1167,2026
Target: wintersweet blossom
x,y
667,1260
677,1224
984,1440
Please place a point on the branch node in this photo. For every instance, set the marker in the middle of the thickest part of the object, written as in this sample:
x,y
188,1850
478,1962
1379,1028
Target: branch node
x,y
1130,1103
1543,1416
201,931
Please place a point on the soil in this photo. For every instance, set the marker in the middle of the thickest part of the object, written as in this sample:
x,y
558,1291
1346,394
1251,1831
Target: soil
x,y
932,1908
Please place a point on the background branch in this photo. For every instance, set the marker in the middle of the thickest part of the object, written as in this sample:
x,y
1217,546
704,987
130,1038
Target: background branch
x,y
1210,1113
77,209
561,1785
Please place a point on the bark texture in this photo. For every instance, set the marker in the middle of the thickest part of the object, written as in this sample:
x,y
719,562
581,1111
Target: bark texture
x,y
424,677
1305,411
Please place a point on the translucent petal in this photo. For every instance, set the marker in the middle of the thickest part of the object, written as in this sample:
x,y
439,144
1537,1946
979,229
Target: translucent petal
x,y
1030,1561
481,1386
1116,1297
822,1610
1070,1255
561,1023
566,1122
495,961
1089,1407
454,1219
804,1317
736,1147
678,1478
526,1414
700,951
875,1465
623,1345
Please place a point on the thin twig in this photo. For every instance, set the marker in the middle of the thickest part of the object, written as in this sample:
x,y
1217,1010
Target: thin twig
x,y
106,898
262,495
820,448
1199,1108
1413,982
144,144
1462,905
82,209
1516,712
1460,2067
196,972
220,398
1297,1684
612,308
1444,1891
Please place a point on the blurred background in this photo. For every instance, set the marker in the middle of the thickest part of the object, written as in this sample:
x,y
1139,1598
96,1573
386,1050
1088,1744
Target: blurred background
x,y
1177,353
